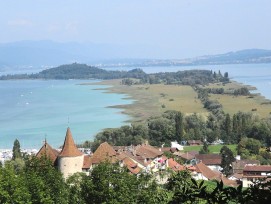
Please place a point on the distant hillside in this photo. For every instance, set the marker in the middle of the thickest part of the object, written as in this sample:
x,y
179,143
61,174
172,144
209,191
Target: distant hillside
x,y
250,56
83,71
239,57
78,71
37,55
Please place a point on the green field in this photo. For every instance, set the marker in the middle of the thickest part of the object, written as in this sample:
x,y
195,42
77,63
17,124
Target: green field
x,y
232,104
215,149
155,99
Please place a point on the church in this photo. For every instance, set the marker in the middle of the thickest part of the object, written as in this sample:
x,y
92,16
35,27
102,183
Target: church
x,y
69,160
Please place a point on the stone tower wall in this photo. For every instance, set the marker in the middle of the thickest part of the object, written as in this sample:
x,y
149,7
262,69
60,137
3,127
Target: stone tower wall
x,y
70,165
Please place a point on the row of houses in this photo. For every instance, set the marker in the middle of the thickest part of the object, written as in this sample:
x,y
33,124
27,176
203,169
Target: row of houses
x,y
142,158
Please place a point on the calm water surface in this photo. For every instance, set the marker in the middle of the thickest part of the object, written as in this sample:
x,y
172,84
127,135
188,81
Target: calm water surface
x,y
31,110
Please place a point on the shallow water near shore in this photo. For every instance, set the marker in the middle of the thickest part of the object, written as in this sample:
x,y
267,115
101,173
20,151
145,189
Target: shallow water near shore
x,y
32,110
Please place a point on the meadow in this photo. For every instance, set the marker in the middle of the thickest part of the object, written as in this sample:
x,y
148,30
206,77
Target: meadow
x,y
215,149
256,104
154,99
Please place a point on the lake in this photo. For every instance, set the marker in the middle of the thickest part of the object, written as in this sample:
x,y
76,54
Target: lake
x,y
32,110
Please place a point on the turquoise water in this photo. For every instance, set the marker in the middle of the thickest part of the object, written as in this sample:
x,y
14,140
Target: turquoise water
x,y
31,110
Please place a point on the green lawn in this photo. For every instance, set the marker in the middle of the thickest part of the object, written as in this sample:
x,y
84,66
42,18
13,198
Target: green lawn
x,y
212,148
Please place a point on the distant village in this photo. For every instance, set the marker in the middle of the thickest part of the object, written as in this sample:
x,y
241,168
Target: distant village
x,y
145,158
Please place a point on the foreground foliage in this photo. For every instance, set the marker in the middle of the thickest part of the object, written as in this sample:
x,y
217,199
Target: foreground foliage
x,y
40,182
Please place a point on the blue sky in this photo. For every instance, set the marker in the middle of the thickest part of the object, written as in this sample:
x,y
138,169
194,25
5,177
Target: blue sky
x,y
172,28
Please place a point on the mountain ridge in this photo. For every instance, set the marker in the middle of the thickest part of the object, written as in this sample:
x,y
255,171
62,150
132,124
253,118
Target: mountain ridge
x,y
37,54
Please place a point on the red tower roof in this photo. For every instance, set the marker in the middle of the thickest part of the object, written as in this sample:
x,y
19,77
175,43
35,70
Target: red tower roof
x,y
69,148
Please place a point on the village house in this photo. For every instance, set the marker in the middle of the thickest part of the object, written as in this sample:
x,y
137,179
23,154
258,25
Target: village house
x,y
194,142
203,172
253,173
213,161
239,165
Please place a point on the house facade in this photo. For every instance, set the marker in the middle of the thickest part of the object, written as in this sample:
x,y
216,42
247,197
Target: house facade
x,y
252,173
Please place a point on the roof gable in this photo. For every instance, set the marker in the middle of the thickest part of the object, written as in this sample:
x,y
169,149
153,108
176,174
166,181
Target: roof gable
x,y
69,148
175,166
206,171
148,151
103,153
209,159
87,162
47,151
260,168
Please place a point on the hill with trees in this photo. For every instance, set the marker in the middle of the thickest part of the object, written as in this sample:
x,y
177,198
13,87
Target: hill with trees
x,y
83,71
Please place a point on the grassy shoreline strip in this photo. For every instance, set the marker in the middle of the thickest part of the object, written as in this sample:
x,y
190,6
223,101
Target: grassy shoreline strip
x,y
154,99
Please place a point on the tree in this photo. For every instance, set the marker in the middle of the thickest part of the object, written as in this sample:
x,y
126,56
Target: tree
x,y
16,151
204,149
179,126
161,130
248,146
44,182
184,188
226,159
12,187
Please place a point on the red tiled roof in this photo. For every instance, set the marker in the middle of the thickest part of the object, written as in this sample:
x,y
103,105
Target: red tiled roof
x,y
129,162
237,175
148,151
87,162
209,159
186,156
105,152
191,168
69,148
175,166
47,151
228,182
206,171
260,168
166,149
131,165
238,165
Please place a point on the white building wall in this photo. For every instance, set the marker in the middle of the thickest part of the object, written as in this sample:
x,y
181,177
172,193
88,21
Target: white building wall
x,y
70,165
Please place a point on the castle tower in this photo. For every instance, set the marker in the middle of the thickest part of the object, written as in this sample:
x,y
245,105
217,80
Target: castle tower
x,y
70,159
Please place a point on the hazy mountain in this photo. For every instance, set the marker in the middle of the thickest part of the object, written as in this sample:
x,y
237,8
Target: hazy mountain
x,y
37,55
48,53
243,56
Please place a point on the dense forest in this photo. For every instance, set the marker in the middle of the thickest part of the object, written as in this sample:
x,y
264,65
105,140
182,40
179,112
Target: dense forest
x,y
37,181
252,134
83,71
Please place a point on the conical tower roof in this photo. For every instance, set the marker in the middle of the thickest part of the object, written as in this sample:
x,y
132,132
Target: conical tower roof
x,y
69,148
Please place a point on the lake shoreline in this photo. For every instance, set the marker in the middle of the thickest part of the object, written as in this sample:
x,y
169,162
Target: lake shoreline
x,y
145,105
